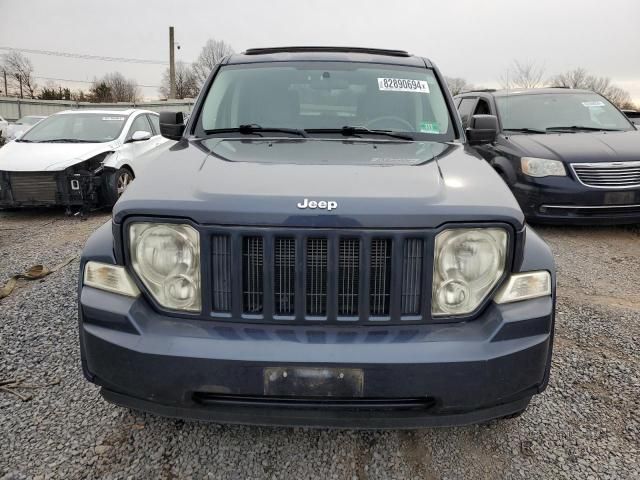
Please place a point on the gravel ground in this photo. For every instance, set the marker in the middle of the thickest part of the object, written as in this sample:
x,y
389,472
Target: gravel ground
x,y
586,425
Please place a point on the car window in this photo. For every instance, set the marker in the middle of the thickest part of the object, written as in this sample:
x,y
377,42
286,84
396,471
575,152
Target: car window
x,y
327,95
139,124
482,108
155,123
28,120
542,111
465,108
81,127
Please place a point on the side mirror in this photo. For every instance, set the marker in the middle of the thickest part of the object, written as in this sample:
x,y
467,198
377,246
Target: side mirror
x,y
172,125
140,136
482,129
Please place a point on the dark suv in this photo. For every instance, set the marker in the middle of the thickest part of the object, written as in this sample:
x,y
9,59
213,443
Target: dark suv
x,y
321,247
569,156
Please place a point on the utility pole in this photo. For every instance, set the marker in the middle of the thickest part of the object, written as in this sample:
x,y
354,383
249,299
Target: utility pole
x,y
172,66
20,80
6,92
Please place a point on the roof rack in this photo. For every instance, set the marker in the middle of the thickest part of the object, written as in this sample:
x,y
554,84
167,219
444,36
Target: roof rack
x,y
375,51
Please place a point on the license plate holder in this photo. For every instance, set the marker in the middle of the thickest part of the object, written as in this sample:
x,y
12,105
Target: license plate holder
x,y
620,198
313,382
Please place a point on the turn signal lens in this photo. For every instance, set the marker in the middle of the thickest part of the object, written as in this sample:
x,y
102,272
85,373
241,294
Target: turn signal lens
x,y
111,278
524,286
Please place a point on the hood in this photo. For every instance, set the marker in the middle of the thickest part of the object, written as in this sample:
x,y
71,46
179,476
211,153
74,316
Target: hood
x,y
373,184
40,157
590,147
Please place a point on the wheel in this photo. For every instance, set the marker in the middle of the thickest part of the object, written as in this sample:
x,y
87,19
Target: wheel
x,y
116,183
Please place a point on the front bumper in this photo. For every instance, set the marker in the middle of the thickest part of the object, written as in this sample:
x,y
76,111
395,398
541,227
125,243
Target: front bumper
x,y
44,189
414,375
562,200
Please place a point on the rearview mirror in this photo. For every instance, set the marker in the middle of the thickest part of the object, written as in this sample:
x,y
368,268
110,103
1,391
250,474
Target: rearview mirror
x,y
482,129
140,136
172,125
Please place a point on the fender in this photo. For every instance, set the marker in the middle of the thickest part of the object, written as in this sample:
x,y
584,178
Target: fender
x,y
536,254
99,247
505,167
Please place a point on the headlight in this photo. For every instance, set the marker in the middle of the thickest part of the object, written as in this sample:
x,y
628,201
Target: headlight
x,y
166,257
542,167
467,265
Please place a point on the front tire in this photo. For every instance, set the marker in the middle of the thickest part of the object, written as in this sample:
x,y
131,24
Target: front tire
x,y
116,183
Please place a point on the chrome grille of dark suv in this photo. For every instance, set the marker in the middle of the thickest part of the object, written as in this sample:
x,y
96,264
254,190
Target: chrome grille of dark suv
x,y
608,175
317,275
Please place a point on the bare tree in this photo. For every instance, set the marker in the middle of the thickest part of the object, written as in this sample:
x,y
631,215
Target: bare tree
x,y
20,70
210,55
186,83
122,89
114,87
619,97
457,85
579,78
523,75
576,78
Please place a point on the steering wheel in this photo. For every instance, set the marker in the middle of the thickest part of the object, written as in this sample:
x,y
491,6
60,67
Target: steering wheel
x,y
397,120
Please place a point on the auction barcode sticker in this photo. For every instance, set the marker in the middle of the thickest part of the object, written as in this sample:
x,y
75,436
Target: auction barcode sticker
x,y
402,85
593,104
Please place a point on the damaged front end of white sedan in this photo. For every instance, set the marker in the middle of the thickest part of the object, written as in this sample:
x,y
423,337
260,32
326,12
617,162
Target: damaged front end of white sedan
x,y
77,159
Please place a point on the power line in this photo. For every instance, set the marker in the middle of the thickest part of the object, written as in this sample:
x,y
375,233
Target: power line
x,y
86,81
87,57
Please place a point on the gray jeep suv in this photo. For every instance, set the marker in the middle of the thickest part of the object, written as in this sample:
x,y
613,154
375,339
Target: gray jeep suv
x,y
320,247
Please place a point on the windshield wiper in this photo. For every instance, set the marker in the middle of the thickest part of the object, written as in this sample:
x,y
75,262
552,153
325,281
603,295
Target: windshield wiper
x,y
588,129
253,128
355,130
524,130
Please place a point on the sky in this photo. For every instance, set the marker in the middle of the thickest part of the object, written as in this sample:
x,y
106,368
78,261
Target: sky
x,y
474,39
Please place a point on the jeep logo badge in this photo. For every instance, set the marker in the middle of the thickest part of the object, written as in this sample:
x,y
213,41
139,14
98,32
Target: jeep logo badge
x,y
324,204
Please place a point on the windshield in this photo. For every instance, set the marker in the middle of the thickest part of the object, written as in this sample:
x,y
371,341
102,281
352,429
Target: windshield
x,y
29,120
549,110
77,127
327,95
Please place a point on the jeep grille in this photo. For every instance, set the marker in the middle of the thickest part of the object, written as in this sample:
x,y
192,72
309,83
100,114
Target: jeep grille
x,y
310,276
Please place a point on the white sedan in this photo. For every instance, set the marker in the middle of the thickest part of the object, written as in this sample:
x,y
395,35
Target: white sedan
x,y
78,157
3,126
20,126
